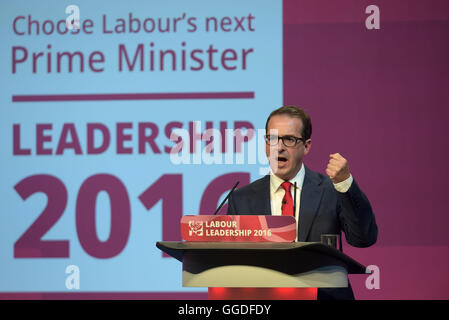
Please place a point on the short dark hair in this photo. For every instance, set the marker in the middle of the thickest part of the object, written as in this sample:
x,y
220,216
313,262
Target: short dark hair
x,y
294,112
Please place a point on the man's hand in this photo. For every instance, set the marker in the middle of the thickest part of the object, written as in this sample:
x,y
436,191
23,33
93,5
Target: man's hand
x,y
337,168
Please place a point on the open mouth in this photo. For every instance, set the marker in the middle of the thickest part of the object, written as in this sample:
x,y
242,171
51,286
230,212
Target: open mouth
x,y
282,159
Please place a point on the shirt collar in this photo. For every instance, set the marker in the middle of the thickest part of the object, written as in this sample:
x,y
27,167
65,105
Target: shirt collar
x,y
275,181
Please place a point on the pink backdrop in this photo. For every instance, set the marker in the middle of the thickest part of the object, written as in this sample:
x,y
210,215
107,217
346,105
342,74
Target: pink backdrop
x,y
381,98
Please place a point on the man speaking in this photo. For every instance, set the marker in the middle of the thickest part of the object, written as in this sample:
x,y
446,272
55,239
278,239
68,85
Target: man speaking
x,y
325,204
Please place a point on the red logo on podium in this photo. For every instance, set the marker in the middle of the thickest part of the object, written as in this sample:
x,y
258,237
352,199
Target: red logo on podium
x,y
245,228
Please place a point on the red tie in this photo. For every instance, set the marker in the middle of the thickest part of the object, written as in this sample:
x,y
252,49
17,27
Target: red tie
x,y
287,201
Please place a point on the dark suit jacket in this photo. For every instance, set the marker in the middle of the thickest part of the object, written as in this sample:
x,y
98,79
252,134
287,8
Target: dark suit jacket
x,y
323,210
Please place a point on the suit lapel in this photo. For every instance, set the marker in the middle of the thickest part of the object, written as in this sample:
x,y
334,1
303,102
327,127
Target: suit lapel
x,y
260,200
311,195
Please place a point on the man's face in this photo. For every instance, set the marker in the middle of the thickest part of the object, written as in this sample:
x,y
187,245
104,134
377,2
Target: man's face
x,y
285,162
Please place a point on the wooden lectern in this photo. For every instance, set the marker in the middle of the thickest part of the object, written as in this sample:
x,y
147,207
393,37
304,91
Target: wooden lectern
x,y
262,270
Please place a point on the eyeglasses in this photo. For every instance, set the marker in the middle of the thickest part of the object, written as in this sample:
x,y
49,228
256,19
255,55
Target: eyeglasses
x,y
288,141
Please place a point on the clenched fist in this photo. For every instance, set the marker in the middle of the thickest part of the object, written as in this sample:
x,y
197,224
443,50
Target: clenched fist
x,y
337,168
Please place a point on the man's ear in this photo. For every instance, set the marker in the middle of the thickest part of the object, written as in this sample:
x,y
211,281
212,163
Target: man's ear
x,y
307,146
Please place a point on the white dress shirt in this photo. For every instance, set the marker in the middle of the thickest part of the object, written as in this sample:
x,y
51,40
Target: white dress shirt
x,y
277,192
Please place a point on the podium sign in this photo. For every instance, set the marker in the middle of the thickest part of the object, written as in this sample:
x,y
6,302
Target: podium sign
x,y
242,228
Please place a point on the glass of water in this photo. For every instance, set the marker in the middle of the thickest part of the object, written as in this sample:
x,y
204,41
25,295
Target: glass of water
x,y
332,240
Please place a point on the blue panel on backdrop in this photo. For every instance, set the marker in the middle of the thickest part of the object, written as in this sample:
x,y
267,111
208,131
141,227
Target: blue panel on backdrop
x,y
86,119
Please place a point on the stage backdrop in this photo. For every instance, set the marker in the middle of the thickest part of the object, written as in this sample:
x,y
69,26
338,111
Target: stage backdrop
x,y
380,97
88,182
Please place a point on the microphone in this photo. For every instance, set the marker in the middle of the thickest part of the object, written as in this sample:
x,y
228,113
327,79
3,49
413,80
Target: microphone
x,y
223,202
